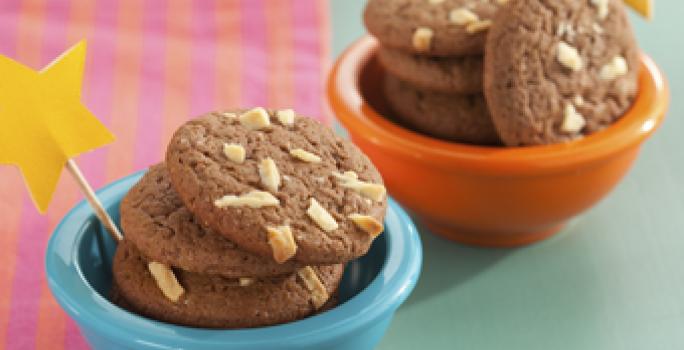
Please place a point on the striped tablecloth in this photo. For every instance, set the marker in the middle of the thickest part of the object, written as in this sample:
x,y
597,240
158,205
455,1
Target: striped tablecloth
x,y
151,65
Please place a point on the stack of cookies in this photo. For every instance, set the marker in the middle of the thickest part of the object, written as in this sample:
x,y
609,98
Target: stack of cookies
x,y
516,72
432,51
248,223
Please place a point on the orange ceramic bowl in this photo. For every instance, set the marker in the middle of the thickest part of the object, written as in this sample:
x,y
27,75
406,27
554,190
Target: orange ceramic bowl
x,y
485,195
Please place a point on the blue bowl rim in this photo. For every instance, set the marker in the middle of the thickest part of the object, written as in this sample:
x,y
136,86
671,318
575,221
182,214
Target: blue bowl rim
x,y
397,278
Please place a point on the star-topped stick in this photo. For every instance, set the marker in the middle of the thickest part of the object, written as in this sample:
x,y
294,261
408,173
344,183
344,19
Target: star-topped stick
x,y
45,125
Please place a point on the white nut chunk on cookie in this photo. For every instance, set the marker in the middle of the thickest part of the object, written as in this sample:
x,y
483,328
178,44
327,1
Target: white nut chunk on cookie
x,y
601,7
321,216
569,57
253,199
166,281
614,69
573,122
350,179
246,281
367,223
286,116
422,39
319,294
462,16
255,119
305,156
270,176
478,26
234,152
282,243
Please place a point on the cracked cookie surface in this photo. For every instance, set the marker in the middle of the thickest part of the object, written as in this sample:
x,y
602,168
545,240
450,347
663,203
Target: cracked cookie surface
x,y
556,70
253,201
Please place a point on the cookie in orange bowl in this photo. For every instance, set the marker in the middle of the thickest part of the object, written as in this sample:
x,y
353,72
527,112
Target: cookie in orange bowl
x,y
486,195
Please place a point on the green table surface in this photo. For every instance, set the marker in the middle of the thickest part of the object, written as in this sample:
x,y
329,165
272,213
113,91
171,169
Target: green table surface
x,y
614,279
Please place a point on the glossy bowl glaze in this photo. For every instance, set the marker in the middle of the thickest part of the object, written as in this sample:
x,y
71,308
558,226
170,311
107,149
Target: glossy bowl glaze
x,y
78,263
486,195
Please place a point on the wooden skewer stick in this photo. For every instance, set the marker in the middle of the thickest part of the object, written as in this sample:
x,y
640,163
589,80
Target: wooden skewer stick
x,y
88,192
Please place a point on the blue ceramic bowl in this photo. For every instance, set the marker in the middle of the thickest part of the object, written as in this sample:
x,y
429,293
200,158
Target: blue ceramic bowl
x,y
78,263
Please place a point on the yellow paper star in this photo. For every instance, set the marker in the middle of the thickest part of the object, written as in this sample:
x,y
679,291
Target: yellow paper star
x,y
643,7
43,122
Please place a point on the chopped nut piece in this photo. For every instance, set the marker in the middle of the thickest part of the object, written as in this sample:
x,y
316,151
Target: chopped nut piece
x,y
321,216
270,177
422,39
569,57
305,156
436,2
253,199
478,26
350,180
602,7
234,152
368,224
597,28
246,281
617,67
229,115
319,294
255,119
462,16
573,122
282,243
286,116
166,281
578,100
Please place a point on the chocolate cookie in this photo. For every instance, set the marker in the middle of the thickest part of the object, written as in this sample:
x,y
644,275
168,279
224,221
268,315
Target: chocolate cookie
x,y
431,27
212,301
559,69
458,118
154,219
278,185
462,75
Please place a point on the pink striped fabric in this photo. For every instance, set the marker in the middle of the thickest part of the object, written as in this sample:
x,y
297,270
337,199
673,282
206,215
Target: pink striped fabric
x,y
151,66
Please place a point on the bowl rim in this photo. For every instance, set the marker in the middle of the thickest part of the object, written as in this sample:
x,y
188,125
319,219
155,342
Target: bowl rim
x,y
389,289
363,121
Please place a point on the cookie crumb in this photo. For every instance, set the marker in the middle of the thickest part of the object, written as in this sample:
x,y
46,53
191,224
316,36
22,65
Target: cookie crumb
x,y
367,223
286,116
282,243
253,199
255,119
166,280
462,16
573,122
569,57
350,179
478,26
305,156
422,39
246,281
321,216
319,294
234,152
617,67
270,177
602,7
